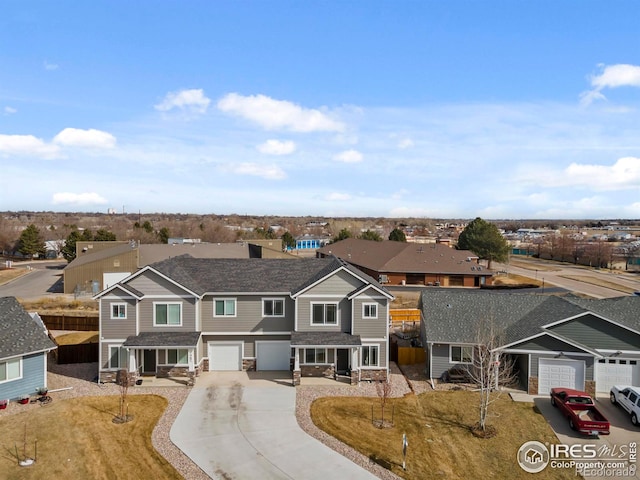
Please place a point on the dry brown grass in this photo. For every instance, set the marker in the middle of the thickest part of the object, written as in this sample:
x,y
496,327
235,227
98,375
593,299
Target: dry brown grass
x,y
60,305
77,337
8,274
437,425
77,439
513,279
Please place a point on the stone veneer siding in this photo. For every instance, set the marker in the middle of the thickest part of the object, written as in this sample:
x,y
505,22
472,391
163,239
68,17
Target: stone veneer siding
x,y
317,371
373,375
533,386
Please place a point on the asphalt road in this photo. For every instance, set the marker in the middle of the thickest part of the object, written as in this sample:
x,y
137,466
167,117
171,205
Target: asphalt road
x,y
44,279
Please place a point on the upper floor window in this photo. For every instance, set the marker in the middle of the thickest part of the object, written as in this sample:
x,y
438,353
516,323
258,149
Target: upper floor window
x,y
369,310
224,307
10,370
178,356
461,354
117,356
118,310
273,307
324,313
167,314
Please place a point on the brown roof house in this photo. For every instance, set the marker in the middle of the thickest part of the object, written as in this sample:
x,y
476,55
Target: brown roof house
x,y
400,263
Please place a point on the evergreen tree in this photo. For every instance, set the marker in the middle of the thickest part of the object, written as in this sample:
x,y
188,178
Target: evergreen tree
x,y
370,235
163,235
69,249
485,240
342,235
103,235
397,235
288,240
31,242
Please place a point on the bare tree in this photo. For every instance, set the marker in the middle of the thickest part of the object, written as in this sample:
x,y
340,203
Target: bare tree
x,y
124,379
383,389
489,370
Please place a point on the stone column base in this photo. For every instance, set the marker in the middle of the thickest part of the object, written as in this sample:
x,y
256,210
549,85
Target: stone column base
x,y
296,377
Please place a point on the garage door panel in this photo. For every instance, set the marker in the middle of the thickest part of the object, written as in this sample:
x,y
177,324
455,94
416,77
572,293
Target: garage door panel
x,y
560,373
225,356
616,371
274,355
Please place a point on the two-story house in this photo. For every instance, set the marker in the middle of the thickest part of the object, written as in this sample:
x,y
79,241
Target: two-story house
x,y
185,315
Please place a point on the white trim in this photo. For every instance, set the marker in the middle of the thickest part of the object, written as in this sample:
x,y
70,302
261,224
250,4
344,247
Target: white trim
x,y
326,355
365,367
246,333
622,352
323,296
44,358
247,294
225,299
20,369
215,343
274,299
166,324
166,357
162,297
104,293
552,335
547,352
368,286
118,346
324,324
118,304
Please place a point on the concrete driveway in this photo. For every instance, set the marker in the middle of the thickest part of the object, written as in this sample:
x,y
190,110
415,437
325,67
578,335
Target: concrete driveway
x,y
622,431
239,425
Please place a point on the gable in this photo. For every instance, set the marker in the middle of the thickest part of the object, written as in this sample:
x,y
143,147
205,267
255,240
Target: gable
x,y
545,343
597,333
339,283
151,283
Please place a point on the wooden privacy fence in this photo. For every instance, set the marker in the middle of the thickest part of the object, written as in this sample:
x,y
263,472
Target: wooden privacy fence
x,y
411,355
80,353
407,315
70,322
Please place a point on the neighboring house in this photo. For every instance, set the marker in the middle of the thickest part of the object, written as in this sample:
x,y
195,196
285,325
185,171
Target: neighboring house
x,y
571,342
99,265
185,315
401,263
24,345
308,242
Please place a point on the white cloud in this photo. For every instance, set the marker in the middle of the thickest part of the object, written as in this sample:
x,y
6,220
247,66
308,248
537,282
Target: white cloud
x,y
269,172
348,156
405,143
278,114
78,199
338,197
50,66
27,145
611,76
75,137
192,101
9,110
277,147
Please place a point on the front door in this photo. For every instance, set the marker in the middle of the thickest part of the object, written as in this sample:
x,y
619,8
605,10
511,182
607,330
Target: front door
x,y
149,362
342,361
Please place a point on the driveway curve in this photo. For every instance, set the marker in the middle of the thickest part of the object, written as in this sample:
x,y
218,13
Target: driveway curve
x,y
234,427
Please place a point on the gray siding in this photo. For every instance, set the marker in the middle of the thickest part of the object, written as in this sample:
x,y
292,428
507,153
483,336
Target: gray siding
x,y
153,284
304,315
595,332
369,327
248,315
120,327
341,283
588,365
546,343
33,377
188,315
440,359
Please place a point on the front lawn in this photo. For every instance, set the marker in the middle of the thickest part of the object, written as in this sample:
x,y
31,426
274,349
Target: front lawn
x,y
77,438
440,443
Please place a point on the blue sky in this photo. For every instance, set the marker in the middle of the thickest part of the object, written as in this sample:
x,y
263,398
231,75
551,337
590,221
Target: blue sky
x,y
440,109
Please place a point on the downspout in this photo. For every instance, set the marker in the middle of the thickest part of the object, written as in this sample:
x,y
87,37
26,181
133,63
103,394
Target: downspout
x,y
430,377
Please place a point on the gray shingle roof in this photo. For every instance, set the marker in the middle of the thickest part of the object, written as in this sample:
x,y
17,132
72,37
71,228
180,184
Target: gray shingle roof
x,y
20,334
452,315
213,275
317,339
163,339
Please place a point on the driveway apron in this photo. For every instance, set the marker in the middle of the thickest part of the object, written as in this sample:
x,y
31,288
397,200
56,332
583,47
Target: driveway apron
x,y
243,431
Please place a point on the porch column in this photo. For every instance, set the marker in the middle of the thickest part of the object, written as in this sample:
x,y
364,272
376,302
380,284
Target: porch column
x,y
132,361
190,356
296,367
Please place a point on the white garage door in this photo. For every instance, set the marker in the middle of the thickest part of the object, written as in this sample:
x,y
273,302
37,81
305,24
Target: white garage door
x,y
553,372
225,356
616,371
273,355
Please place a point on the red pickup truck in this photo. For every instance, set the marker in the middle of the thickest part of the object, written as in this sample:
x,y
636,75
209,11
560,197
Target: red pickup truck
x,y
579,409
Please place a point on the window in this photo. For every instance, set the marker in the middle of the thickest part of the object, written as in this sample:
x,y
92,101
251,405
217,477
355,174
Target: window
x,y
118,357
315,355
461,354
118,310
167,314
370,355
10,370
324,314
273,307
178,356
225,307
370,310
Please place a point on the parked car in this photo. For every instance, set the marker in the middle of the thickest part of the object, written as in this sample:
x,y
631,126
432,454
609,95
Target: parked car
x,y
629,399
579,409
